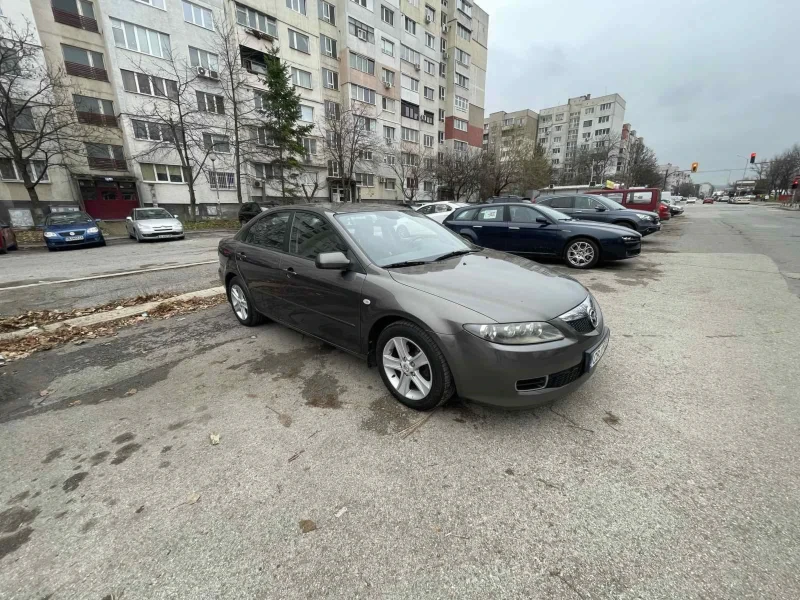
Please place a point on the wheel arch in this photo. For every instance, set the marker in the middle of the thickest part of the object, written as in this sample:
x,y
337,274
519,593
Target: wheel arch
x,y
381,323
584,236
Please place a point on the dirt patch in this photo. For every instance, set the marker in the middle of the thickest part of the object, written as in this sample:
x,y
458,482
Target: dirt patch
x,y
89,525
125,437
283,365
11,543
52,455
166,449
12,518
387,416
19,497
72,483
601,287
639,276
124,453
99,458
322,390
164,464
179,425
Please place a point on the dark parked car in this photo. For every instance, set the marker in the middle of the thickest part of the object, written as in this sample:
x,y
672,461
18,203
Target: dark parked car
x,y
432,312
501,199
536,230
248,210
8,241
70,230
599,208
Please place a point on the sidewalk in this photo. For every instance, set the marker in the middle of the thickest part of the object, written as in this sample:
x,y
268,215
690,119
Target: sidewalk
x,y
121,239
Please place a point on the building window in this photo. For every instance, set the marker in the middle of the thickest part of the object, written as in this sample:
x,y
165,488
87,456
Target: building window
x,y
306,113
388,104
106,157
333,168
76,13
197,15
462,104
388,134
157,173
390,160
603,119
409,55
556,150
264,171
427,186
590,110
332,109
461,80
460,146
463,32
298,41
427,117
557,127
84,63
408,110
410,25
430,41
602,131
557,139
362,63
330,79
256,20
409,82
461,124
556,161
217,143
430,68
427,141
309,146
362,94
155,132
207,60
297,6
210,103
153,3
462,57
409,159
428,92
442,92
464,7
606,106
410,135
301,78
387,76
411,183
587,123
560,117
94,111
361,31
10,172
221,180
430,14
441,137
327,12
327,46
361,2
364,179
389,184
387,47
140,39
139,83
387,16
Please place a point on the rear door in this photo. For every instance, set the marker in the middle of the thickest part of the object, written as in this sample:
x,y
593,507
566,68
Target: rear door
x,y
324,303
258,259
491,227
562,204
528,236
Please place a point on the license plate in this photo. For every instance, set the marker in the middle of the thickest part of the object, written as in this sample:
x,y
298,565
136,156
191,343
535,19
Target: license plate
x,y
164,236
74,238
598,354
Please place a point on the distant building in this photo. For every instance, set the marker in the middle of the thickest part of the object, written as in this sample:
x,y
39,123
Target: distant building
x,y
675,177
508,128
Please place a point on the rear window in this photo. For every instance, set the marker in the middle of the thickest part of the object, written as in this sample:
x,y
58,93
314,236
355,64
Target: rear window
x,y
466,215
640,198
491,214
560,202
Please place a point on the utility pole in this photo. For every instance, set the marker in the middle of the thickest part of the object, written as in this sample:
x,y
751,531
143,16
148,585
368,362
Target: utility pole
x,y
666,174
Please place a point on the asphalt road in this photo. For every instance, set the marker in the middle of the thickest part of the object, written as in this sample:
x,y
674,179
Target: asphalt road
x,y
689,491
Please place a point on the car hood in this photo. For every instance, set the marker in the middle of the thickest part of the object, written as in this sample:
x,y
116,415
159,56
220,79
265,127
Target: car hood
x,y
599,227
61,227
159,222
500,286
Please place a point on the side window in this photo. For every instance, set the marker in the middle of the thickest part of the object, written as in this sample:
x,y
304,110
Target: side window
x,y
585,203
466,215
426,210
269,232
561,202
523,214
311,235
491,214
442,207
640,198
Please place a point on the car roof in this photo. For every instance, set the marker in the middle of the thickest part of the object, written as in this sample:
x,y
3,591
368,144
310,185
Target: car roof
x,y
343,207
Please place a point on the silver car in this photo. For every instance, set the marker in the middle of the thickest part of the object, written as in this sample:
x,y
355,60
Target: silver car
x,y
153,224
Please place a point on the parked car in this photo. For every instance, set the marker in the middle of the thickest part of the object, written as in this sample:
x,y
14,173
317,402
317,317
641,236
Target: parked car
x,y
646,199
538,230
8,241
70,230
708,200
434,314
498,199
691,200
438,211
153,224
674,208
599,208
663,211
248,210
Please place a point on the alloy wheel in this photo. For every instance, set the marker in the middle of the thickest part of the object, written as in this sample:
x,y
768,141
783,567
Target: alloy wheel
x,y
580,254
407,368
239,302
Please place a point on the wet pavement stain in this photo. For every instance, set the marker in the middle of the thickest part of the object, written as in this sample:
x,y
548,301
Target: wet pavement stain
x,y
12,518
124,453
99,458
52,455
179,425
201,408
12,543
19,497
89,525
164,464
284,365
72,483
166,449
387,416
322,390
601,287
61,515
125,437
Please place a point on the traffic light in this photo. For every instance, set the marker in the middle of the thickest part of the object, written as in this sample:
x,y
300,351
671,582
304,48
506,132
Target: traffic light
x,y
794,184
694,167
752,158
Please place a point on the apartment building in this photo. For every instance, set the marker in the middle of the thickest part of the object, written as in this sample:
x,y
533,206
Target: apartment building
x,y
419,68
506,129
582,123
673,176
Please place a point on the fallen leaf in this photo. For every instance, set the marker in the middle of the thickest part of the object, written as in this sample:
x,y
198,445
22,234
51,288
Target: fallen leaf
x,y
75,403
79,342
214,439
193,499
341,511
307,525
131,392
44,393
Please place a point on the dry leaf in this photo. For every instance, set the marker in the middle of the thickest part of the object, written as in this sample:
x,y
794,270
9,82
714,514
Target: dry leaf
x,y
341,511
214,439
307,525
193,499
44,393
131,392
79,342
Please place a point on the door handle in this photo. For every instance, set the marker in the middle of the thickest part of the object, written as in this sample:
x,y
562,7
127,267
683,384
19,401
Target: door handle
x,y
477,226
513,227
290,271
241,255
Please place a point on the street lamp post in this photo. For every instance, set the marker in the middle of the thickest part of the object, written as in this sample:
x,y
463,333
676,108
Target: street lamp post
x,y
213,158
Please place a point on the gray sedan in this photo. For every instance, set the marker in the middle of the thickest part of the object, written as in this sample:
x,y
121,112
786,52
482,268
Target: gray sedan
x,y
153,224
436,315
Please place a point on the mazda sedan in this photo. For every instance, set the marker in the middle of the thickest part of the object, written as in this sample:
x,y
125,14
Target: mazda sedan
x,y
436,315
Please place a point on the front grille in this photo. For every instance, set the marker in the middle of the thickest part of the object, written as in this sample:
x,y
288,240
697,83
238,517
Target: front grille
x,y
528,385
582,325
565,377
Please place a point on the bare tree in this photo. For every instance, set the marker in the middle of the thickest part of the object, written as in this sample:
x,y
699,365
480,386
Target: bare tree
x,y
458,173
39,127
535,169
640,168
410,166
350,142
500,167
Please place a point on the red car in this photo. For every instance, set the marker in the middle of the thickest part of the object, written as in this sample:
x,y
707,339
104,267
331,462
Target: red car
x,y
664,212
708,201
8,241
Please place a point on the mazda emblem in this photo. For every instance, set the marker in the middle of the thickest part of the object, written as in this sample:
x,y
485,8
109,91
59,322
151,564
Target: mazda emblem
x,y
593,316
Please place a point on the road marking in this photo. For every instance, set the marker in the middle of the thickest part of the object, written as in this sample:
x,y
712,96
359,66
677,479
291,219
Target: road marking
x,y
107,276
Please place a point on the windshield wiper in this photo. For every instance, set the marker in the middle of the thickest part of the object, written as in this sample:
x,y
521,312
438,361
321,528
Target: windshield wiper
x,y
455,253
406,263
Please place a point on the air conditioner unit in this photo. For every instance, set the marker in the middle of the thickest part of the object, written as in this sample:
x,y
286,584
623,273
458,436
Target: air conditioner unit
x,y
387,84
428,19
381,179
445,28
257,183
361,34
445,55
416,67
208,73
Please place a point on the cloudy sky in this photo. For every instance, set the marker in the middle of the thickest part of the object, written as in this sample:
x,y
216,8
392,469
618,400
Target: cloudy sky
x,y
703,81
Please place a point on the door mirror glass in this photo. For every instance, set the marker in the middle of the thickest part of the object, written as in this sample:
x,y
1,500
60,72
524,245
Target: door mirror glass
x,y
542,220
332,260
600,208
128,219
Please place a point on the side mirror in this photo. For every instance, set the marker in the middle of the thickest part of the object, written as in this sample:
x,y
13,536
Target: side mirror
x,y
332,260
128,219
601,209
542,220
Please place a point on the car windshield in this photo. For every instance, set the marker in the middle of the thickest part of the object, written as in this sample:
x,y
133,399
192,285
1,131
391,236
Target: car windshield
x,y
390,237
552,213
152,213
68,218
609,203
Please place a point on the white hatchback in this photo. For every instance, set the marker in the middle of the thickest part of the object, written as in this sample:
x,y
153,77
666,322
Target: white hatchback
x,y
439,211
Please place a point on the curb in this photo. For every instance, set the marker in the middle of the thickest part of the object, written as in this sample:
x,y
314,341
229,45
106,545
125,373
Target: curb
x,y
112,315
113,241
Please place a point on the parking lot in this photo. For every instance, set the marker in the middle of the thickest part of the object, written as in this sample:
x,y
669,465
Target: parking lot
x,y
673,473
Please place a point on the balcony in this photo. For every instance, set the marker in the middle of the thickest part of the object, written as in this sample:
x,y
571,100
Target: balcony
x,y
79,70
107,164
73,20
92,118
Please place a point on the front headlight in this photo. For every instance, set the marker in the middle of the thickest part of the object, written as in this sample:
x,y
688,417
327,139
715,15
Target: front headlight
x,y
645,217
629,238
144,228
515,333
92,230
50,234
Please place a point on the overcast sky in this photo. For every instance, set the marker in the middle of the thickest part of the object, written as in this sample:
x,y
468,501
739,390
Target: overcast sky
x,y
703,81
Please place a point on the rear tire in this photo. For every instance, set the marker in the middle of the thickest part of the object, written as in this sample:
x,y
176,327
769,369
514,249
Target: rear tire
x,y
404,345
242,304
582,253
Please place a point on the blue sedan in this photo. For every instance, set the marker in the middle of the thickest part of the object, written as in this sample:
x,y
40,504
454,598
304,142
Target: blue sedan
x,y
534,230
71,229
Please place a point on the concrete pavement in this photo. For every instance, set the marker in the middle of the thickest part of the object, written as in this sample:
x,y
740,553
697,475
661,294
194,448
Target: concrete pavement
x,y
674,473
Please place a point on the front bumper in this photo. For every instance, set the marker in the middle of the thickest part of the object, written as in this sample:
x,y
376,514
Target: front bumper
x,y
90,239
648,228
493,374
160,235
618,249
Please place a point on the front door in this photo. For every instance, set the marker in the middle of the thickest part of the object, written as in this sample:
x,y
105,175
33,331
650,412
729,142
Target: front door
x,y
527,236
324,303
110,201
589,209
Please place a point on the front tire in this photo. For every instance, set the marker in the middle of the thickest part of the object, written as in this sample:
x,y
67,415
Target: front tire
x,y
242,304
413,367
582,253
